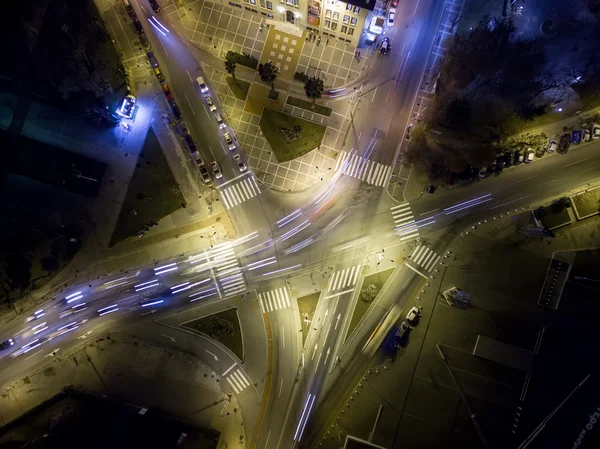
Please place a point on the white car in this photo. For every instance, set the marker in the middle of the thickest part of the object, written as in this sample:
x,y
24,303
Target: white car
x,y
391,17
596,132
197,158
210,103
529,154
229,141
586,135
412,315
240,163
220,121
205,176
216,170
552,146
202,84
36,316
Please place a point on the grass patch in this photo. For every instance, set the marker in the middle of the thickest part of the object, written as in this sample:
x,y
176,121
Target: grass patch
x,y
378,280
272,121
273,95
323,110
307,306
153,192
222,326
239,88
245,60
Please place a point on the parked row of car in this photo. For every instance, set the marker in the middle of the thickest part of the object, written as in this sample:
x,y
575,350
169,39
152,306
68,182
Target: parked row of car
x,y
575,137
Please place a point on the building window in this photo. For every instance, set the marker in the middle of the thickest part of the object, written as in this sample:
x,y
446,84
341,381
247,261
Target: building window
x,y
297,3
270,6
327,23
328,13
356,10
353,21
262,3
346,19
350,32
336,15
253,2
334,26
348,7
344,29
270,16
289,2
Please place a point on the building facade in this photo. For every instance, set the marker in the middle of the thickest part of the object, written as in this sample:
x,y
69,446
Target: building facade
x,y
328,19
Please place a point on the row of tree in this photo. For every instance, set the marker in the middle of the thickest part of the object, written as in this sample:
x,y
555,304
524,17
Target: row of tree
x,y
313,86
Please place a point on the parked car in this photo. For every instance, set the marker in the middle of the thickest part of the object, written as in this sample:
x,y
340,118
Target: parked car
x,y
202,84
500,164
210,103
529,155
138,26
552,146
152,59
176,111
190,143
220,121
565,143
492,167
159,75
127,106
154,5
483,172
385,46
430,189
167,92
403,332
394,3
239,162
144,42
127,5
508,158
183,130
229,141
576,137
216,169
519,156
197,158
391,17
586,135
205,176
412,315
595,132
6,344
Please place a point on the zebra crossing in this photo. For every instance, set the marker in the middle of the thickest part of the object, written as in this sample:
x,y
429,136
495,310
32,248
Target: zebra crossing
x,y
274,300
404,221
237,193
227,269
238,381
424,258
358,167
344,278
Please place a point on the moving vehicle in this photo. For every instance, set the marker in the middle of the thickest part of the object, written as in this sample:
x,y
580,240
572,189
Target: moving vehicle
x,y
216,169
210,103
240,163
220,121
6,344
205,176
391,17
154,5
229,141
152,59
412,315
385,46
36,316
202,84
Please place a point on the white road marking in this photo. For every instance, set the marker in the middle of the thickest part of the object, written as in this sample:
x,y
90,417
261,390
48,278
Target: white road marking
x,y
190,103
228,369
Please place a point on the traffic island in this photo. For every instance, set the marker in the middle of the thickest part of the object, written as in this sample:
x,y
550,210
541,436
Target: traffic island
x,y
370,288
290,137
223,327
307,306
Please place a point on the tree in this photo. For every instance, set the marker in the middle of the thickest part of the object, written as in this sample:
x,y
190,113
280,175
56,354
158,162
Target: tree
x,y
369,293
458,113
230,67
313,87
220,328
268,73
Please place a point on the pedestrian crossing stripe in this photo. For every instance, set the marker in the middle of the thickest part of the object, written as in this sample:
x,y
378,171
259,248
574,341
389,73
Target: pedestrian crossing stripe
x,y
238,381
236,194
274,300
425,258
404,221
364,169
344,278
227,269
